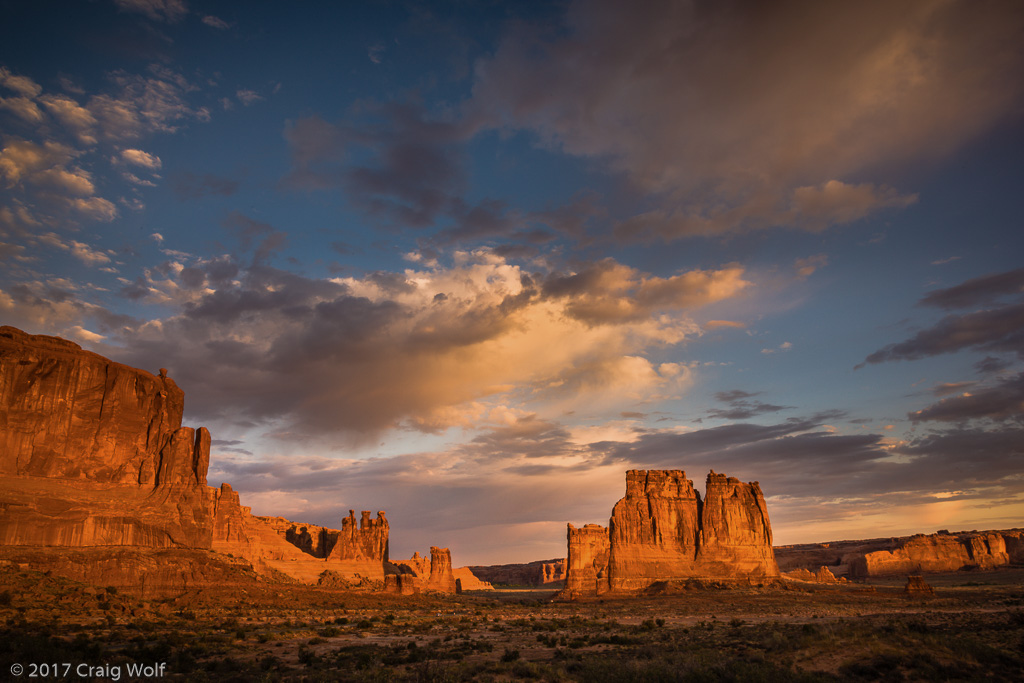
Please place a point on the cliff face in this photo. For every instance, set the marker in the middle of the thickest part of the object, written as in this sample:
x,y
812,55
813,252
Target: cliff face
x,y
934,553
431,574
538,573
92,452
662,530
93,455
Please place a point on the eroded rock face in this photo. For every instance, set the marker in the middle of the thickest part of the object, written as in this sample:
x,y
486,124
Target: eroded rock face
x,y
537,573
940,552
662,531
93,455
432,574
92,452
470,581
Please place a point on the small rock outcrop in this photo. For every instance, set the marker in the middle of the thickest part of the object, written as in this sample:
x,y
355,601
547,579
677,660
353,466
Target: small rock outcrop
x,y
662,531
916,586
470,581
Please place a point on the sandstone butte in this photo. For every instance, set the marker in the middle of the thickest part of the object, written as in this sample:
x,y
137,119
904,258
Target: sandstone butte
x,y
95,467
422,574
662,531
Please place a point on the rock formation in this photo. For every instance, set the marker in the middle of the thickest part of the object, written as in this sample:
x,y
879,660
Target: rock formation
x,y
470,581
940,552
538,573
434,574
916,586
93,456
822,575
662,531
92,452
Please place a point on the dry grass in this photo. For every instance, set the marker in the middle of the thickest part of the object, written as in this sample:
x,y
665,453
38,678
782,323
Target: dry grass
x,y
972,628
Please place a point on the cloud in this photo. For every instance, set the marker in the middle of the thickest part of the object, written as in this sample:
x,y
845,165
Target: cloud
x,y
999,329
170,11
216,22
781,348
980,291
608,292
835,202
23,108
739,117
137,157
23,85
247,97
1001,402
741,407
427,348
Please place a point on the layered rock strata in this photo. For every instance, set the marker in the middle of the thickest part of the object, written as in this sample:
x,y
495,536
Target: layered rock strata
x,y
433,574
940,552
934,553
662,531
538,573
93,456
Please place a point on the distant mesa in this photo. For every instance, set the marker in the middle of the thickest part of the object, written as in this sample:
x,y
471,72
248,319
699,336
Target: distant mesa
x,y
662,531
97,473
900,556
541,574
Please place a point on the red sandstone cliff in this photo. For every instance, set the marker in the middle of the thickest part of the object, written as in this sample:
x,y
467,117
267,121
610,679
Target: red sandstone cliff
x,y
92,452
93,455
934,553
662,531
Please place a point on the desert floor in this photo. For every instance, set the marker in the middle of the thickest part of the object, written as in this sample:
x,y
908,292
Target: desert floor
x,y
971,628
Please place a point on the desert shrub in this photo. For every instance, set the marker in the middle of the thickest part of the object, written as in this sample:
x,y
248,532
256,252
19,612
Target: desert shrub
x,y
510,655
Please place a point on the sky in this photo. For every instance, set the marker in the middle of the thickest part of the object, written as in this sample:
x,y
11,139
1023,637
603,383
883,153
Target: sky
x,y
469,262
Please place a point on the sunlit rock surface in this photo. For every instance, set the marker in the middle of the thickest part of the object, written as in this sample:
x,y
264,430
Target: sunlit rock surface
x,y
662,531
934,553
93,456
431,574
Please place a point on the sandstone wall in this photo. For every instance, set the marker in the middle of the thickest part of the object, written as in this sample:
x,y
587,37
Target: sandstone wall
x,y
93,453
587,562
934,553
662,531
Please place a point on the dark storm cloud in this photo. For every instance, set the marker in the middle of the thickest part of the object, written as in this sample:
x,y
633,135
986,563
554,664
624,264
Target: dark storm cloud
x,y
998,329
980,291
1004,401
187,185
